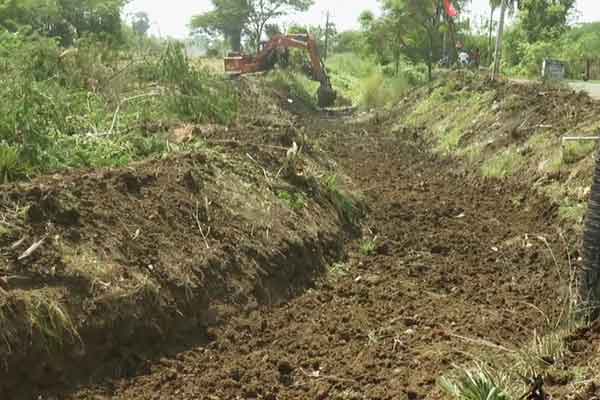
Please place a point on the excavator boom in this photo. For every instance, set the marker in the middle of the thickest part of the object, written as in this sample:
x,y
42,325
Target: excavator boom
x,y
240,64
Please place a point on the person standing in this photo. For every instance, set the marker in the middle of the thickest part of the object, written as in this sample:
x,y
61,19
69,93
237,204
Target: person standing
x,y
476,59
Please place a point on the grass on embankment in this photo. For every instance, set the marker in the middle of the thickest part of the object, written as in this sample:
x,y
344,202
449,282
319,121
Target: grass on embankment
x,y
514,131
509,130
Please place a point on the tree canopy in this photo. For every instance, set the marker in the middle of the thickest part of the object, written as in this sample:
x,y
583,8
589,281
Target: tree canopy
x,y
544,19
228,18
418,30
63,19
235,18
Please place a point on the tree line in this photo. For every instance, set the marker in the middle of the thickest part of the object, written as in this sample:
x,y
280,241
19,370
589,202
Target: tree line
x,y
414,31
406,30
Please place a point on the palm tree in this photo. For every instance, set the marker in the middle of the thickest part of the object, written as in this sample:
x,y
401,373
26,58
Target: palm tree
x,y
504,5
494,4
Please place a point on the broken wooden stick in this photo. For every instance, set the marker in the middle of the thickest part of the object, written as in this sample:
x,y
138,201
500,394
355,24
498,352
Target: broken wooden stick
x,y
32,249
197,218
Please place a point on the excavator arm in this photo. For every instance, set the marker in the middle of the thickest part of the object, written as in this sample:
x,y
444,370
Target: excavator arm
x,y
238,64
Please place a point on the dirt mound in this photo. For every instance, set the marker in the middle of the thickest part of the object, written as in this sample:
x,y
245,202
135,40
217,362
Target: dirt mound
x,y
583,344
99,270
445,261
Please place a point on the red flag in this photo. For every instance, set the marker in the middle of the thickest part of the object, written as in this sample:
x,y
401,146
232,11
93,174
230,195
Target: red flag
x,y
450,10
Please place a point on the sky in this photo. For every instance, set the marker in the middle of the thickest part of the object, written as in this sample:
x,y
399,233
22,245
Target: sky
x,y
170,18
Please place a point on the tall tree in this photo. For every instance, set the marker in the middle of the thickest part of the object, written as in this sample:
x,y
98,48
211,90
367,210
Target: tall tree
x,y
396,23
228,18
415,27
63,19
141,23
498,51
375,36
505,5
261,12
544,19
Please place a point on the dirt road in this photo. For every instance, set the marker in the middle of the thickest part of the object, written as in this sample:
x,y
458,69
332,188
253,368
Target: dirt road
x,y
455,260
593,89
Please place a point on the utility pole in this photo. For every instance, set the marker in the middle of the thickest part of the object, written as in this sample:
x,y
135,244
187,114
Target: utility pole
x,y
498,53
326,36
491,28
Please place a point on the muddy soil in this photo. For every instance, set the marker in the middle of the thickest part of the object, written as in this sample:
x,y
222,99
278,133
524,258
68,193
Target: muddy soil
x,y
446,261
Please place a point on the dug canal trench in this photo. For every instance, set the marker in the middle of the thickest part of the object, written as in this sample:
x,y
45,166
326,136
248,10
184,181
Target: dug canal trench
x,y
447,262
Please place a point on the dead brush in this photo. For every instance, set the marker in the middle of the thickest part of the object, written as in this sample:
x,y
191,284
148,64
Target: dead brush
x,y
39,315
47,316
87,266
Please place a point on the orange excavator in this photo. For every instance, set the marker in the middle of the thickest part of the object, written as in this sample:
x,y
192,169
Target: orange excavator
x,y
272,52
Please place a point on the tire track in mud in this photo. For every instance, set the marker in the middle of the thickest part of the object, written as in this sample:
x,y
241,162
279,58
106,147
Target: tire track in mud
x,y
454,258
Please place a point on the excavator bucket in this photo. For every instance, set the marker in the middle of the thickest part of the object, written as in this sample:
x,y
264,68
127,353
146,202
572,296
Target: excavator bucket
x,y
326,96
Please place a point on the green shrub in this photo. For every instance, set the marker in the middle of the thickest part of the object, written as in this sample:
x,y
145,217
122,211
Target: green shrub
x,y
369,85
89,107
10,168
377,91
574,151
348,208
196,94
298,86
295,201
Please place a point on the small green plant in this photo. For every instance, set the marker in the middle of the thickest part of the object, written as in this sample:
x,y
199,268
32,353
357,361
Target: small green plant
x,y
4,231
331,182
373,337
10,168
295,201
574,151
543,352
572,211
368,246
479,383
339,269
